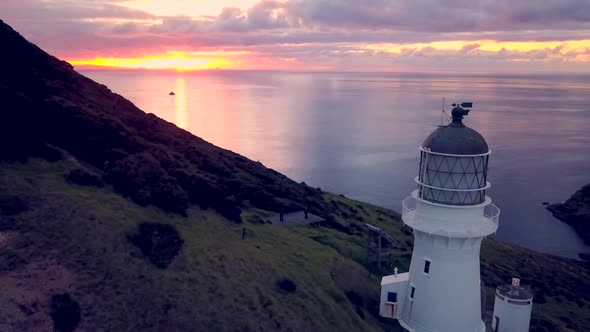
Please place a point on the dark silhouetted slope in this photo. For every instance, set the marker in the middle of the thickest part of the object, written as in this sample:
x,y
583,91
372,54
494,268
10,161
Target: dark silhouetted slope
x,y
150,160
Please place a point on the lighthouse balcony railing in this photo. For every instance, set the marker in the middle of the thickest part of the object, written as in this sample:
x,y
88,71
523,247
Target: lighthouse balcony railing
x,y
490,211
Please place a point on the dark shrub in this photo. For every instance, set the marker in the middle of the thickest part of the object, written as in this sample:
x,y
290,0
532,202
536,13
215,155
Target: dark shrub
x,y
84,178
47,152
213,167
332,223
11,205
203,192
230,209
168,195
207,194
114,155
355,298
287,285
264,200
373,307
360,312
65,313
407,230
159,242
134,173
10,261
539,329
26,148
141,177
256,220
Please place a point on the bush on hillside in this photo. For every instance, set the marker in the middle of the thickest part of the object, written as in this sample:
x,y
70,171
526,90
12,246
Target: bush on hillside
x,y
10,260
82,177
207,194
65,312
355,298
287,285
255,219
229,207
47,152
141,177
12,205
160,243
21,138
24,149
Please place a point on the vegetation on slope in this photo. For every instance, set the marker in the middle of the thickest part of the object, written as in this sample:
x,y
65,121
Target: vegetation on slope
x,y
75,239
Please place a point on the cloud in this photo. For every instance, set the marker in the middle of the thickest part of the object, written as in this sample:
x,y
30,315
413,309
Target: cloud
x,y
447,16
334,31
39,11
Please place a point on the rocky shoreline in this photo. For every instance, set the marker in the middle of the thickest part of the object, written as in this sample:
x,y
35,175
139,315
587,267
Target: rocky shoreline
x,y
575,212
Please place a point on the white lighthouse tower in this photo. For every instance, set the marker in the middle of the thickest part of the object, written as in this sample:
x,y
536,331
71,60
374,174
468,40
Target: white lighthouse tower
x,y
450,215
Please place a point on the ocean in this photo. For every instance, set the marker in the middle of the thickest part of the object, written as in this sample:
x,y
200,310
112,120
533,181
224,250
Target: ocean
x,y
358,134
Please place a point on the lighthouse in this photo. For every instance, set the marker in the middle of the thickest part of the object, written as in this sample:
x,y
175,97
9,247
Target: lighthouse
x,y
450,215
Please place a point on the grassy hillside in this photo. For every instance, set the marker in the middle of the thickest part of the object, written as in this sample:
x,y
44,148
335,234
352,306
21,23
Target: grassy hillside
x,y
115,220
73,239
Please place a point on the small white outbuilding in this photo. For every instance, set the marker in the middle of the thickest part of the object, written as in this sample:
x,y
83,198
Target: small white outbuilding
x,y
512,308
393,293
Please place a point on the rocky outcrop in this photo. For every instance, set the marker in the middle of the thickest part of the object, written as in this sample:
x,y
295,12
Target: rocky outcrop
x,y
575,212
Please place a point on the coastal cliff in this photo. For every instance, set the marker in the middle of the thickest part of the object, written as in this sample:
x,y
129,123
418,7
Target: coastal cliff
x,y
575,212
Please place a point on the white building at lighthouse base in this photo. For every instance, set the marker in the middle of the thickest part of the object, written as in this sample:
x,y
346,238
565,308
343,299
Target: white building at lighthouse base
x,y
393,293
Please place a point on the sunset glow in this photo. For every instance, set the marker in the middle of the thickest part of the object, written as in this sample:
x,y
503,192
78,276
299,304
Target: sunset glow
x,y
503,35
174,62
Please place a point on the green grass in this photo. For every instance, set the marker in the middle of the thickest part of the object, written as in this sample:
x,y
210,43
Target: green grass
x,y
217,282
220,282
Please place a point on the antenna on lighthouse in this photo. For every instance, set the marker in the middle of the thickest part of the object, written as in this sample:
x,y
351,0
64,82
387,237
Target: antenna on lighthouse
x,y
443,114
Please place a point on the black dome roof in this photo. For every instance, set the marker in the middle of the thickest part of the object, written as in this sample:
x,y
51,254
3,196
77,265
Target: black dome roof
x,y
456,138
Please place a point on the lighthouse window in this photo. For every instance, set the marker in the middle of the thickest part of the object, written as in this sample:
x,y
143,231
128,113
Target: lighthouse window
x,y
426,266
412,291
392,297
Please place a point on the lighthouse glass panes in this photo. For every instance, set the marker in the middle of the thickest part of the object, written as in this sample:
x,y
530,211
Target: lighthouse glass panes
x,y
452,179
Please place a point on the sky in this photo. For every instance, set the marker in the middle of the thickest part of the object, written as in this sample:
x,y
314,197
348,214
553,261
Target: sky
x,y
484,36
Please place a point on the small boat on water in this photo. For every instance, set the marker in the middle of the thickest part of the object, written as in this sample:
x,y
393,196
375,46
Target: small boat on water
x,y
172,93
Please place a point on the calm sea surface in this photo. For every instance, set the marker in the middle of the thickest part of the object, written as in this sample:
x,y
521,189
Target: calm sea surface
x,y
358,134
